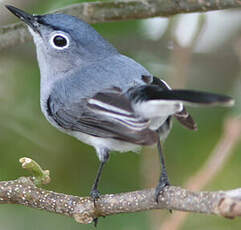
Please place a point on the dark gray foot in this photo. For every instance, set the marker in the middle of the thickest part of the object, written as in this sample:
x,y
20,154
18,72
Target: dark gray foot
x,y
95,194
163,182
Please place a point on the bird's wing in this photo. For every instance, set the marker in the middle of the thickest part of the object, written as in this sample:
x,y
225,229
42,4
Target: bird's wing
x,y
186,119
108,115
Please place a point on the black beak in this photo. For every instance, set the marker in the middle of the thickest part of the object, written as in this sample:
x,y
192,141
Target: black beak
x,y
25,17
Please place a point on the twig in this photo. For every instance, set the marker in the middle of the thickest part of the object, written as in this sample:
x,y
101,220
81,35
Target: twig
x,y
40,176
94,12
24,191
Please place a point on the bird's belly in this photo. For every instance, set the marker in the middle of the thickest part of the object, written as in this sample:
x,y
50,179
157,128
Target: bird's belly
x,y
157,122
106,143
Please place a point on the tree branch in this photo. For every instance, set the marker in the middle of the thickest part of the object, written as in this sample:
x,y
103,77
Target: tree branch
x,y
24,191
94,12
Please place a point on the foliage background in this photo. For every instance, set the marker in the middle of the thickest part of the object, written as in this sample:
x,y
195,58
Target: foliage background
x,y
73,165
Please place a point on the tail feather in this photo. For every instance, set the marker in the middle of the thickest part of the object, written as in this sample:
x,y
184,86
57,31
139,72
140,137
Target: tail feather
x,y
192,97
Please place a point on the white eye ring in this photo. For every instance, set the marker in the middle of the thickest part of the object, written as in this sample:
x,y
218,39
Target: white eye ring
x,y
59,41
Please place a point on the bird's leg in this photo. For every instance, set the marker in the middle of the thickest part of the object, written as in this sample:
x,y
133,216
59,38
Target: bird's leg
x,y
163,181
94,193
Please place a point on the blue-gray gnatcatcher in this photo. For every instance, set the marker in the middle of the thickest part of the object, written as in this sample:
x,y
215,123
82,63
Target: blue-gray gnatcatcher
x,y
105,99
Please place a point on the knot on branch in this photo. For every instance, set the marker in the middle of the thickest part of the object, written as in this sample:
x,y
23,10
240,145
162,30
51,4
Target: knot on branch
x,y
230,205
229,208
84,211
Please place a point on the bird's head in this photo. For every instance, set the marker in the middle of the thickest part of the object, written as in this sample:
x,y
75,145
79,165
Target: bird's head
x,y
63,40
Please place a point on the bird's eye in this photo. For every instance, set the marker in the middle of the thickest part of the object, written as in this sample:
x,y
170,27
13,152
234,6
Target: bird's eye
x,y
59,41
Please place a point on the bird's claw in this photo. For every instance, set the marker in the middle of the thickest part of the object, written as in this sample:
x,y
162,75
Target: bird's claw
x,y
95,194
163,182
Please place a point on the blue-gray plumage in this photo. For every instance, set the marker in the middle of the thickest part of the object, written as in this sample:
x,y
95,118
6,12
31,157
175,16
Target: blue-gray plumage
x,y
105,99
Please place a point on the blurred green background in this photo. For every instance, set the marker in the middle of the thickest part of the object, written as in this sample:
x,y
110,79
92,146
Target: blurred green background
x,y
168,49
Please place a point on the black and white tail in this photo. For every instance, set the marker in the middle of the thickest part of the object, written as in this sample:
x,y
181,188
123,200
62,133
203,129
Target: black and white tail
x,y
152,101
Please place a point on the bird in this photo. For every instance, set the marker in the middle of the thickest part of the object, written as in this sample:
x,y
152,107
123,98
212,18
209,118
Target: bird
x,y
103,98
